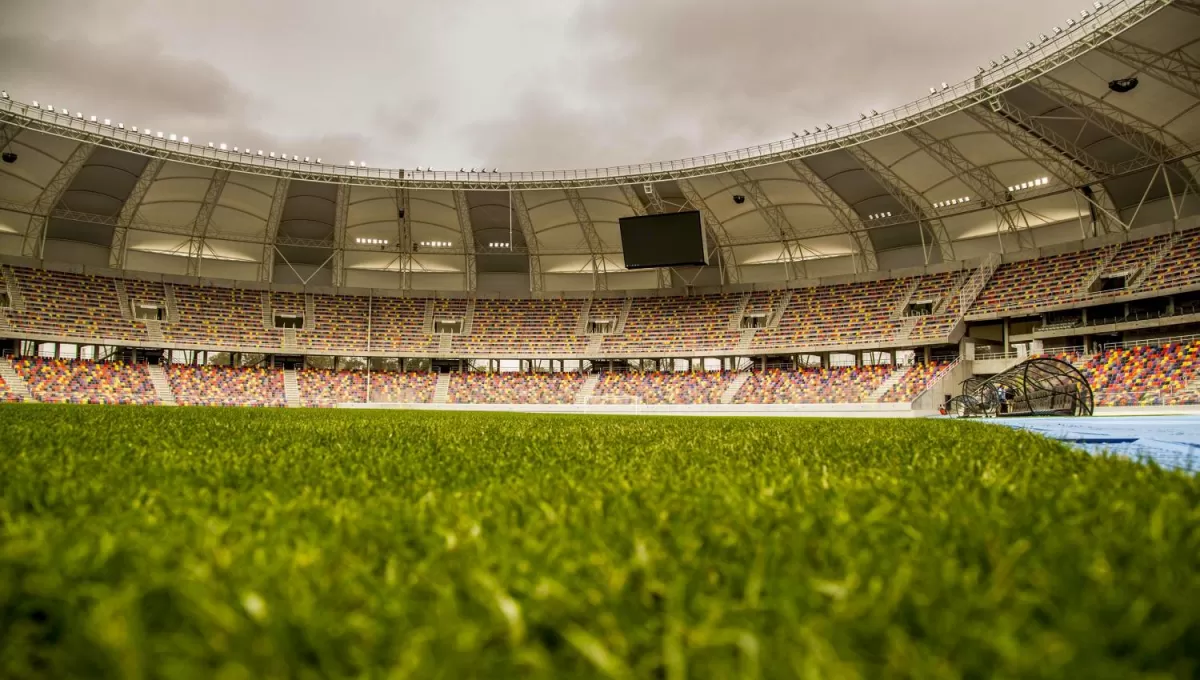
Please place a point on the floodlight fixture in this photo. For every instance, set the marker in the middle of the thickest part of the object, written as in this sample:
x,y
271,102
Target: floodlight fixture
x,y
1043,37
92,119
933,90
1029,44
3,94
1070,23
35,104
120,126
108,121
1097,4
1057,30
160,134
171,136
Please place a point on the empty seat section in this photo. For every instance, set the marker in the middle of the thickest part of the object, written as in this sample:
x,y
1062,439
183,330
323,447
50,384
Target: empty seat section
x,y
844,314
71,305
1039,282
1144,374
916,380
666,388
402,388
69,381
398,325
514,388
147,293
1179,267
1133,255
6,393
221,317
329,388
677,325
226,386
338,323
523,328
848,385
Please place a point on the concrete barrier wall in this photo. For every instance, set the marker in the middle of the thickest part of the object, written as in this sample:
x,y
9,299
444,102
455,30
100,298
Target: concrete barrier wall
x,y
790,410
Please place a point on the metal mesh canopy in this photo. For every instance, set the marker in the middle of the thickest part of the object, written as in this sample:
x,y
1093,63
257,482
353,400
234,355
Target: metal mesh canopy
x,y
1037,387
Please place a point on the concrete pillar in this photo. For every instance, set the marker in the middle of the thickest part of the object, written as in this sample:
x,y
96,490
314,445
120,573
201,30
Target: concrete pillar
x,y
1007,346
928,352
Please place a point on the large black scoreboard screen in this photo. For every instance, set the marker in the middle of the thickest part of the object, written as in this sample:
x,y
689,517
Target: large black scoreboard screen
x,y
666,240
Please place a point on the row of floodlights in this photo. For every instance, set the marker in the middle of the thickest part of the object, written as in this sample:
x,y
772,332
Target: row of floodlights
x,y
1029,44
1039,182
499,244
878,215
371,241
436,244
952,201
474,170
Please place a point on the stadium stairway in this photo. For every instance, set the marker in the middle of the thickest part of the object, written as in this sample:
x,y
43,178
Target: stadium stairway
x,y
16,384
588,388
162,386
734,387
15,299
441,392
892,380
291,388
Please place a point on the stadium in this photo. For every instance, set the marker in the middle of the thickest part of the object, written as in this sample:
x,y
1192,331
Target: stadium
x,y
486,490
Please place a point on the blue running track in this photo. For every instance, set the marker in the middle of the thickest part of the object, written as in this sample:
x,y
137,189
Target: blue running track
x,y
1171,441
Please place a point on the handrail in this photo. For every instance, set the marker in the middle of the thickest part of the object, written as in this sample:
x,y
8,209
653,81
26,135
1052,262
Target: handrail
x,y
1050,52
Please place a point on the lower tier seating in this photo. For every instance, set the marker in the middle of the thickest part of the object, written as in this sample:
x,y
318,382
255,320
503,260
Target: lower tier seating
x,y
226,386
403,388
916,380
70,381
515,388
666,388
847,385
1144,375
328,388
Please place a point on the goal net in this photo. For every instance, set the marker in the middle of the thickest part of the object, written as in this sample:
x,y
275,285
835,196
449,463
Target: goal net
x,y
611,403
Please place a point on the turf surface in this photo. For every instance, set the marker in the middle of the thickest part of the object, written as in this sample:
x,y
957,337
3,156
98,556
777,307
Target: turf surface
x,y
197,543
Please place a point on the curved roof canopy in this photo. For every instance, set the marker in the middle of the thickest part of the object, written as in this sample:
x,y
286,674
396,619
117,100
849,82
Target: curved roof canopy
x,y
1042,148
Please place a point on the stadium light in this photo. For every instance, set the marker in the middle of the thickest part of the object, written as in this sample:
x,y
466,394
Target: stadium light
x,y
171,136
223,147
1097,4
1070,23
1029,44
120,126
306,159
352,164
1043,37
933,90
93,119
1057,30
35,104
318,161
3,94
160,134
50,107
108,121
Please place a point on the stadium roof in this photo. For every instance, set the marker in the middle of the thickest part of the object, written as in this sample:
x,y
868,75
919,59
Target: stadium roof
x,y
1041,148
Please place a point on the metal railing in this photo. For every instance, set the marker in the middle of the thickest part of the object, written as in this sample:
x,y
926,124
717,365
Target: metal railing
x,y
1036,59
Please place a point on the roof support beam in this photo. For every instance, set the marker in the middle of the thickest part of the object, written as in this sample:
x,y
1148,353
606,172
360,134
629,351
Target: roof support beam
x,y
216,186
917,205
1192,6
981,181
631,197
34,242
728,262
403,199
775,219
1177,69
846,217
537,282
599,262
468,239
7,134
341,214
1060,157
119,249
266,266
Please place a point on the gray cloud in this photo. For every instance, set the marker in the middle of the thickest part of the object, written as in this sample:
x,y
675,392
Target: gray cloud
x,y
517,85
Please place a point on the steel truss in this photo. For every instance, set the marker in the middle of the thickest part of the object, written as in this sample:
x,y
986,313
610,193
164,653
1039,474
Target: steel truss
x,y
1086,35
1177,69
919,208
266,267
595,247
775,219
731,269
981,181
537,282
404,207
1065,161
8,133
846,217
119,249
341,215
33,244
468,239
200,226
1036,387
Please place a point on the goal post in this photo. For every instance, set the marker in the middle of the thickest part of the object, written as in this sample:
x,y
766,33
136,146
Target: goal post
x,y
613,403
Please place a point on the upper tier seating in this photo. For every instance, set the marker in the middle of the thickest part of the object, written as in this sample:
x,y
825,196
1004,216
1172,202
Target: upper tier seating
x,y
515,388
329,388
1039,282
1180,267
845,385
221,317
398,325
677,325
226,386
523,327
73,305
855,314
666,388
73,381
339,322
1144,375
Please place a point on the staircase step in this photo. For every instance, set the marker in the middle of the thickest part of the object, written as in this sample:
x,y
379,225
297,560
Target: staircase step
x,y
587,389
162,385
734,387
441,392
291,388
16,384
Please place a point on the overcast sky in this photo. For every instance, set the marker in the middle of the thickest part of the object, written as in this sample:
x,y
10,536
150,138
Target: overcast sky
x,y
515,84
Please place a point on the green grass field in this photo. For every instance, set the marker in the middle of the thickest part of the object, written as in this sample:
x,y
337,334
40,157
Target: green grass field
x,y
203,543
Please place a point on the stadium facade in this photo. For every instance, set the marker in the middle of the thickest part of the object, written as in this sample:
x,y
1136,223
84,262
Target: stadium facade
x,y
1048,202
